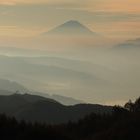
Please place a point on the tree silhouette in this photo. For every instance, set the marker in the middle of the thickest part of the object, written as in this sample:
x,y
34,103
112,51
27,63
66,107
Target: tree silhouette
x,y
129,106
122,124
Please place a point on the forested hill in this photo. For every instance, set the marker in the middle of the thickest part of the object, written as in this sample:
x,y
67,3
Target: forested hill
x,y
122,124
36,108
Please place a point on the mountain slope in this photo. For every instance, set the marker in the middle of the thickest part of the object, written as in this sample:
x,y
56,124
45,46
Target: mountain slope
x,y
11,104
36,108
71,27
8,87
129,44
61,99
11,86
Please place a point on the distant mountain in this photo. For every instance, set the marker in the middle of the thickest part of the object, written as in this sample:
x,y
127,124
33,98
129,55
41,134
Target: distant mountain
x,y
37,108
71,27
66,100
11,86
8,87
129,44
61,99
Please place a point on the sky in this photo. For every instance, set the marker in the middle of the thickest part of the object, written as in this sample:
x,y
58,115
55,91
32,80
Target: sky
x,y
25,18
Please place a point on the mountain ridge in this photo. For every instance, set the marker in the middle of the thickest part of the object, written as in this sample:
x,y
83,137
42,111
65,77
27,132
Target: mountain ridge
x,y
71,27
40,109
8,87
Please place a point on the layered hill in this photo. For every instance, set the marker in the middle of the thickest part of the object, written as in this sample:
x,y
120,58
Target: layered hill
x,y
36,108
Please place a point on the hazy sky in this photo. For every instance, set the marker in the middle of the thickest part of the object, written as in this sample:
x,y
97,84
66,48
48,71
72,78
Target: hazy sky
x,y
23,21
113,18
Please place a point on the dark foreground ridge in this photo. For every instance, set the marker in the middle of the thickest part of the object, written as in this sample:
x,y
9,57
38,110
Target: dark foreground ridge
x,y
122,124
36,108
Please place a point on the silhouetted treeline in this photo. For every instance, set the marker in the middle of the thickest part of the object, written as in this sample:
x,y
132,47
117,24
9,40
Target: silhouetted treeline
x,y
122,124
